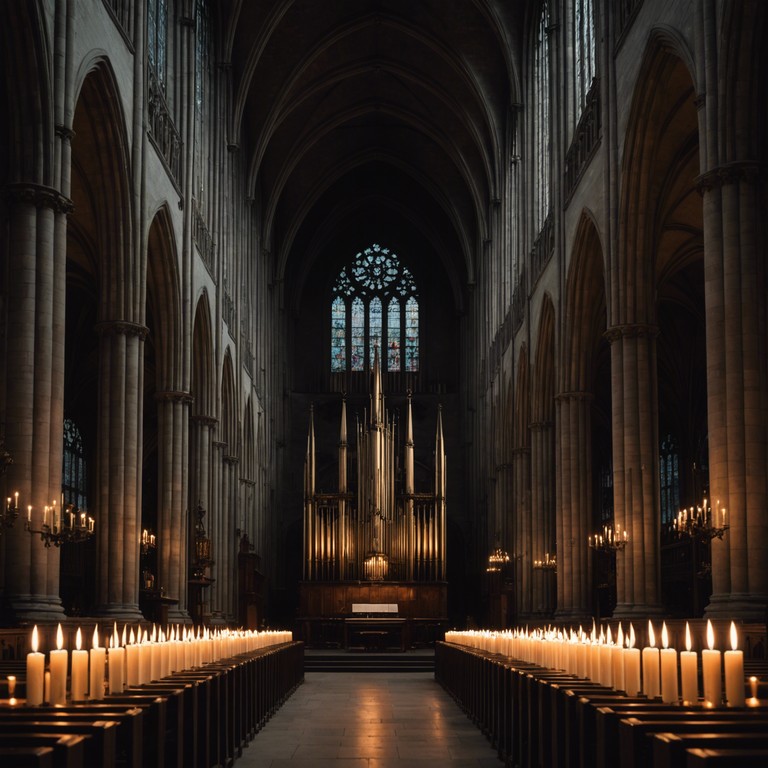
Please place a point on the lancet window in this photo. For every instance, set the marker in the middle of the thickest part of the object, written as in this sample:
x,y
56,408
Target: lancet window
x,y
584,69
74,476
541,118
669,479
157,38
375,305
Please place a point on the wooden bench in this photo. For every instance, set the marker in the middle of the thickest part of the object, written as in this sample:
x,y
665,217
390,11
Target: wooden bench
x,y
670,749
727,758
67,750
27,757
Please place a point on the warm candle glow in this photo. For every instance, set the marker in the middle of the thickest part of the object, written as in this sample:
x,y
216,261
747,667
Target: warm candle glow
x,y
664,635
631,635
115,638
34,639
734,638
687,637
78,639
59,638
651,635
710,635
96,636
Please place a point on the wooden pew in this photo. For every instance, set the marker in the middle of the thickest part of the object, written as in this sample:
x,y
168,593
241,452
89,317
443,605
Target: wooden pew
x,y
27,757
727,758
68,750
670,749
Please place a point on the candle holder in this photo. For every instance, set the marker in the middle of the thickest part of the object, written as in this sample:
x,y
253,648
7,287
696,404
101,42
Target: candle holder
x,y
10,513
202,553
609,540
72,527
549,563
497,560
701,522
148,541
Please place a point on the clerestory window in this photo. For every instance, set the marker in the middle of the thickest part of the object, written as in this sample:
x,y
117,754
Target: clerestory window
x,y
375,306
74,476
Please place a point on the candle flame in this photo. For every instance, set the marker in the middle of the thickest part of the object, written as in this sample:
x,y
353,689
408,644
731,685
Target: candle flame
x,y
631,635
620,637
96,636
687,637
664,635
609,638
78,639
734,638
651,635
115,638
132,637
59,638
710,635
125,627
34,639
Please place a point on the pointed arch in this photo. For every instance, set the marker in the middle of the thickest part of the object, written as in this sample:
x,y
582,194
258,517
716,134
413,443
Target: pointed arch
x,y
228,421
522,400
543,390
203,375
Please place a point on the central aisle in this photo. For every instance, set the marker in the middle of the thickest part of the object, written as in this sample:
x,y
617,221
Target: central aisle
x,y
377,720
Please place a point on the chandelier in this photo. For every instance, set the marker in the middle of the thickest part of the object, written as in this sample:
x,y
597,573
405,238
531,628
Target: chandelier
x,y
549,563
497,560
609,540
71,526
701,522
10,513
148,541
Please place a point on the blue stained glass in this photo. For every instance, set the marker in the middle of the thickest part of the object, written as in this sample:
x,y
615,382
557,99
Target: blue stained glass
x,y
412,335
374,328
357,352
338,335
393,335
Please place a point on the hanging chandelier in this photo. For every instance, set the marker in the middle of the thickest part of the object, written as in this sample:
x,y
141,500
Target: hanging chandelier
x,y
70,526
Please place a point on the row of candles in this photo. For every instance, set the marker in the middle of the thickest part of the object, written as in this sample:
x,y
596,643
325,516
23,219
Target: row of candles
x,y
133,658
618,664
52,516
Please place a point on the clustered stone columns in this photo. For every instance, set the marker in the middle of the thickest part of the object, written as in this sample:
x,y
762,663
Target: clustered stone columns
x,y
735,279
542,514
574,502
173,511
634,404
118,475
522,560
34,418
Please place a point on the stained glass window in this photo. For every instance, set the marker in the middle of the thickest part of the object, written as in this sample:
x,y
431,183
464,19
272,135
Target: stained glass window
x,y
374,300
669,479
393,335
357,357
74,476
541,113
338,335
157,38
374,327
584,51
412,335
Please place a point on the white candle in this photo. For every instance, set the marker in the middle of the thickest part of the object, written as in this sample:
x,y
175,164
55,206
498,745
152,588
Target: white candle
x,y
98,659
689,671
58,665
116,665
145,666
668,658
132,662
47,688
734,672
79,686
605,659
711,671
154,656
35,673
651,665
617,660
631,665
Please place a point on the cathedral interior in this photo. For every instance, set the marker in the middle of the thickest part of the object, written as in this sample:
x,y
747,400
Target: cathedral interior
x,y
536,224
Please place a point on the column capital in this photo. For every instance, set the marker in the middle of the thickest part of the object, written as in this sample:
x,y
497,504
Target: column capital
x,y
204,420
122,327
634,330
174,396
38,195
728,173
540,426
574,395
229,459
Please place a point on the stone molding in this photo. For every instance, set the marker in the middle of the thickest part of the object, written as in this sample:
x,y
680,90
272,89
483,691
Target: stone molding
x,y
631,330
174,396
122,327
728,173
38,195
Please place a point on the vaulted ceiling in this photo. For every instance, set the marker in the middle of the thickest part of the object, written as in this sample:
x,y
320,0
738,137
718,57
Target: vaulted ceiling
x,y
356,114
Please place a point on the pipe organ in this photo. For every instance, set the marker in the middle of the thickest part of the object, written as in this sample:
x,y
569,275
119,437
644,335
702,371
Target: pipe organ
x,y
376,528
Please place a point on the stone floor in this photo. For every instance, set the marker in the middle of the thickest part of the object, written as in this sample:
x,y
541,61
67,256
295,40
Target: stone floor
x,y
377,720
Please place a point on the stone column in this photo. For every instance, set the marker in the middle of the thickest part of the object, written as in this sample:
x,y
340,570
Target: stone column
x,y
172,505
636,468
523,562
217,495
574,505
229,540
118,476
34,375
734,290
542,515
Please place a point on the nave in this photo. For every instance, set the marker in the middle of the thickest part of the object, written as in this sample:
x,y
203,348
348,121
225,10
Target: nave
x,y
378,720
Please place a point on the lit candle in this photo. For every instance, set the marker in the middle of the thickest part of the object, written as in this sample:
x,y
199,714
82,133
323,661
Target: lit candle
x,y
132,661
58,665
145,667
668,658
35,673
689,671
753,700
734,672
651,665
79,687
154,656
617,660
631,665
605,659
116,664
98,659
11,689
711,671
